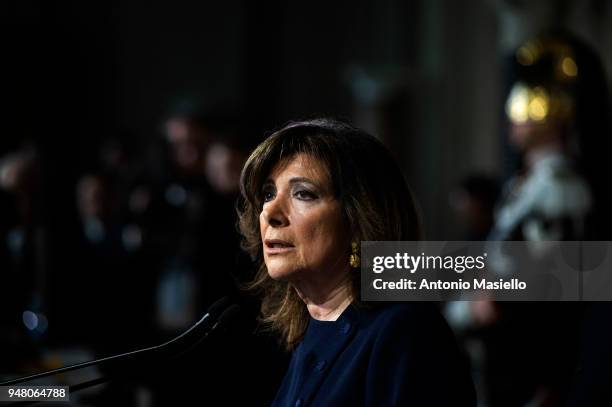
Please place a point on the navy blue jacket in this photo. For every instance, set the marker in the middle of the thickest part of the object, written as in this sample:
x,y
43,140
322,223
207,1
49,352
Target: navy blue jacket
x,y
393,355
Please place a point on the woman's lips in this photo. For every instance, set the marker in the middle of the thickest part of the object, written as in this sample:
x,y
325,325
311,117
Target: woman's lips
x,y
276,246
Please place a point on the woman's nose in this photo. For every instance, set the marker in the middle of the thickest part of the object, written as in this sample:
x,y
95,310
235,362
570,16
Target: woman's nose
x,y
274,212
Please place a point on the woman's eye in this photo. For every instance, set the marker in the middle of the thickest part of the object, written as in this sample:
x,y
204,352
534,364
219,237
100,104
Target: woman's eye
x,y
268,196
305,195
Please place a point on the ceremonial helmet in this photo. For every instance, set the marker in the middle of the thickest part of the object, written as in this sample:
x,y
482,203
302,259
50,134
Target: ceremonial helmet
x,y
547,74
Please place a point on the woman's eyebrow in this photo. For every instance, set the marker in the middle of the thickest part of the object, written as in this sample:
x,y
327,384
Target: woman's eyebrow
x,y
297,180
292,181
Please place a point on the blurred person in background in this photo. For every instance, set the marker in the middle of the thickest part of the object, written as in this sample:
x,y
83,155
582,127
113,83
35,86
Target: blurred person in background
x,y
549,199
224,162
556,110
176,205
188,139
222,167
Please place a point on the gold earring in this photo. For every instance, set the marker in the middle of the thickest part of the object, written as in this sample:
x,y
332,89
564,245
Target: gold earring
x,y
354,260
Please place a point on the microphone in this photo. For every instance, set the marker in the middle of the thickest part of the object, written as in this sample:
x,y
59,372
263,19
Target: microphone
x,y
218,316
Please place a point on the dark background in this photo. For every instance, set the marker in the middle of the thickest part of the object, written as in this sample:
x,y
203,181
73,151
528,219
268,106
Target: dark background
x,y
78,72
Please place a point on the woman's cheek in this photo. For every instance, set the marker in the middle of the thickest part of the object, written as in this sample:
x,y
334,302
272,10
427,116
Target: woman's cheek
x,y
301,209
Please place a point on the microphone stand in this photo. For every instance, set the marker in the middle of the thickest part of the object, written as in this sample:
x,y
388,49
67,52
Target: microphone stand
x,y
218,316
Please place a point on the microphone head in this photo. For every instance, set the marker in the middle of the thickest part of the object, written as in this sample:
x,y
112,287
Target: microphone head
x,y
228,316
200,329
218,307
191,338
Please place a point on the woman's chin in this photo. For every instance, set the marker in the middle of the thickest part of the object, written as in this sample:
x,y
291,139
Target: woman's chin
x,y
282,273
279,275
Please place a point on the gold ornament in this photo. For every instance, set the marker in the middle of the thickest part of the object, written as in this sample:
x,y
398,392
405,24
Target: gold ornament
x,y
354,260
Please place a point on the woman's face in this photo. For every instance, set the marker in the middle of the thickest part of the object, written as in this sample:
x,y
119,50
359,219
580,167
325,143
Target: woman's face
x,y
303,228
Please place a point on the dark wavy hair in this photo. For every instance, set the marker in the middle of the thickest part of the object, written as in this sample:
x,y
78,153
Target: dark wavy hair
x,y
377,203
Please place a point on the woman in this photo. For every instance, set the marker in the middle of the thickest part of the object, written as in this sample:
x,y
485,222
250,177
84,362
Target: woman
x,y
311,193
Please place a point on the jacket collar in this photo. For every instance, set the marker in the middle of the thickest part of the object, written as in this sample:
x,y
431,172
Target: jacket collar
x,y
344,328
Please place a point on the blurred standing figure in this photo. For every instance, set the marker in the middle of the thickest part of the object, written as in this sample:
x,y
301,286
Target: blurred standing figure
x,y
556,107
188,141
182,203
224,162
223,165
549,200
186,225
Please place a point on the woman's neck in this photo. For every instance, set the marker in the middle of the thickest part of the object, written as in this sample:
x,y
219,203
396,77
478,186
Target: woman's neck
x,y
329,304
